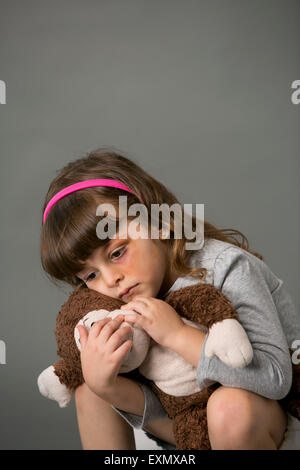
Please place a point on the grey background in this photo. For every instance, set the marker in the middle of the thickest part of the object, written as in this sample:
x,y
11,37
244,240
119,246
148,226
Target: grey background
x,y
197,92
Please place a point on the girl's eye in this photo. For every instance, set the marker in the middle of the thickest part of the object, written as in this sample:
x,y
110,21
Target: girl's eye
x,y
92,276
120,250
89,278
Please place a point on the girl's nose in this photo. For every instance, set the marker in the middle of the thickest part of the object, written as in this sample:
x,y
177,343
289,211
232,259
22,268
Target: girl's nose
x,y
111,276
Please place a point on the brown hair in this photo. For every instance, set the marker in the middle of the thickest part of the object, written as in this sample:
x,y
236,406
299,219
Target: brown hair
x,y
69,236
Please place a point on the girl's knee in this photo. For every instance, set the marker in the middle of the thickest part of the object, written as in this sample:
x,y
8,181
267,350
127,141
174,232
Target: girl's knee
x,y
237,418
230,412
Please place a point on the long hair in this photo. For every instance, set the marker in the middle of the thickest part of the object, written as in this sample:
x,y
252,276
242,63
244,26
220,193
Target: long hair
x,y
68,237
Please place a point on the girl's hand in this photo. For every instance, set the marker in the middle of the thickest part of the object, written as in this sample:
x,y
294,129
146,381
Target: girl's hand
x,y
157,318
102,352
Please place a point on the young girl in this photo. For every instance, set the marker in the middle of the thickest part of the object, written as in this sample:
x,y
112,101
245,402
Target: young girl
x,y
244,412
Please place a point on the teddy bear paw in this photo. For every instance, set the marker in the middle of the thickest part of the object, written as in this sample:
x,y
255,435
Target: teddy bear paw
x,y
229,342
50,387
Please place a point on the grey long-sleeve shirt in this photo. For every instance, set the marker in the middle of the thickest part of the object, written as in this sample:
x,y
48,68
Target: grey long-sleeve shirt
x,y
267,313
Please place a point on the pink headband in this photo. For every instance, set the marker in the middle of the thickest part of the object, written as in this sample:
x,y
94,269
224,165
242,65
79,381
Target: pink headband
x,y
82,185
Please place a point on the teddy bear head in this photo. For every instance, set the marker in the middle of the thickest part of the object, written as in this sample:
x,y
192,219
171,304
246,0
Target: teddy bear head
x,y
85,307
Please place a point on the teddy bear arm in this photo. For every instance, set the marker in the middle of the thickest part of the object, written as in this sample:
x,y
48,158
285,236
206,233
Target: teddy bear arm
x,y
69,376
211,306
51,387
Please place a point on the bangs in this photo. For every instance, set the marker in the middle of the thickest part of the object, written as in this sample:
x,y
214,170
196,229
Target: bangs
x,y
67,244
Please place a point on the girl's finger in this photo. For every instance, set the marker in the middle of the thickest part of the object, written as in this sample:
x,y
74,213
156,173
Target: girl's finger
x,y
121,352
97,327
136,319
110,327
137,305
131,317
119,337
136,300
83,335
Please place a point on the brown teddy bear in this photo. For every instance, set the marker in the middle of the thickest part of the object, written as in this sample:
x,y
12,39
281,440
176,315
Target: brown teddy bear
x,y
168,374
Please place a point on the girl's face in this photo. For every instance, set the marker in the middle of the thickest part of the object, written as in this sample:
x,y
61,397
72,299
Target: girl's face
x,y
128,262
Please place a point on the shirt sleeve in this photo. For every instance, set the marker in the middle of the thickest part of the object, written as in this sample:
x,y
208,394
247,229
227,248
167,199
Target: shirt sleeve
x,y
152,410
243,280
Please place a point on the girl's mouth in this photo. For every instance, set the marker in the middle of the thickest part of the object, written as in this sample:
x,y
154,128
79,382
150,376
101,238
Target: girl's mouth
x,y
130,291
